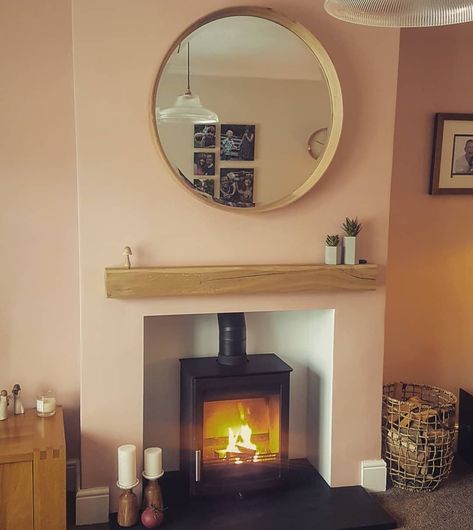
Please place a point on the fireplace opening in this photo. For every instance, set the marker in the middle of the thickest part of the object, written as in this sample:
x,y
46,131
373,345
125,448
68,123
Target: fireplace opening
x,y
234,424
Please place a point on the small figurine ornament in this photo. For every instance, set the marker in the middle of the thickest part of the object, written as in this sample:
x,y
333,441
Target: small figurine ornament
x,y
127,253
3,405
18,407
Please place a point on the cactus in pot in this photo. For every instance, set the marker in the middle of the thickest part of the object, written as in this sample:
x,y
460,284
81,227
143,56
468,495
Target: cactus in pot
x,y
332,250
352,228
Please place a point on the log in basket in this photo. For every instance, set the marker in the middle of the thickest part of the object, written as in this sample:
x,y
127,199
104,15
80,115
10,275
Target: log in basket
x,y
418,435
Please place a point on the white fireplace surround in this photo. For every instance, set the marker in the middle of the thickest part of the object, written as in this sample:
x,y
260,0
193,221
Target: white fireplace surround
x,y
130,376
303,339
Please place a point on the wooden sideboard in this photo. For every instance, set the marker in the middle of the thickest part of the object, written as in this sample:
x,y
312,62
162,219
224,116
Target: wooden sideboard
x,y
33,472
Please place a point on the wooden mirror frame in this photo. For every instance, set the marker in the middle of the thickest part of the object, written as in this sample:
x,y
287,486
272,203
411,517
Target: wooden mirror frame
x,y
330,76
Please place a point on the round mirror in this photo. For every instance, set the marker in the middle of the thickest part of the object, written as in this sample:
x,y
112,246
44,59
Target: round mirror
x,y
247,109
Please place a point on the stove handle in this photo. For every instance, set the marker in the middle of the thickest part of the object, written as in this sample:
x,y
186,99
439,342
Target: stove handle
x,y
198,457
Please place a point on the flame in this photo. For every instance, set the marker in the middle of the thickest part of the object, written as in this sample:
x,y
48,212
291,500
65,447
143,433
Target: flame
x,y
240,439
240,431
232,442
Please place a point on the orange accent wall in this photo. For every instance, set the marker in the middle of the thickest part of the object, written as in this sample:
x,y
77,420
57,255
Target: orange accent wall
x,y
429,305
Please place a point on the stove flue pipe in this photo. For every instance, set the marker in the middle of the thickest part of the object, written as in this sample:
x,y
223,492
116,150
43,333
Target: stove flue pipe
x,y
232,339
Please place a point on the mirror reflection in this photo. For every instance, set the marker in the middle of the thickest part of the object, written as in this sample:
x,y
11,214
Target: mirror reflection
x,y
235,106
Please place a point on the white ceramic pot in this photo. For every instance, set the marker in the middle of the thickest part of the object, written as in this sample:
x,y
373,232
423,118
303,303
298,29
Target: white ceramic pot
x,y
332,255
349,250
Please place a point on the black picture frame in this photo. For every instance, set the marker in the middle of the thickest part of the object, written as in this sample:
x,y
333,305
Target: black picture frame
x,y
450,138
204,164
240,145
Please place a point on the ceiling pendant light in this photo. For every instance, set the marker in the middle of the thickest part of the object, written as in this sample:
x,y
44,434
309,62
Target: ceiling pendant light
x,y
187,107
401,13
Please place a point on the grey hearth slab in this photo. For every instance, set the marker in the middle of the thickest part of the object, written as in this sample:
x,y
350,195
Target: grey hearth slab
x,y
307,503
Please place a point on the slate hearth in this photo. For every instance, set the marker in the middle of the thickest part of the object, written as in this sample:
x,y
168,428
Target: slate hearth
x,y
306,503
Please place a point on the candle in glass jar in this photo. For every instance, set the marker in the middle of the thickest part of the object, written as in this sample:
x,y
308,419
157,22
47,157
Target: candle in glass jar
x,y
46,404
126,466
153,462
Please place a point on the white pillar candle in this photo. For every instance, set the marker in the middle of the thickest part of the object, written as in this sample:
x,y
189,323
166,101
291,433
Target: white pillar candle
x,y
126,465
153,461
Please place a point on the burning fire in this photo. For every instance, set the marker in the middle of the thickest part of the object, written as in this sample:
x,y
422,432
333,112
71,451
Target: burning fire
x,y
240,431
240,440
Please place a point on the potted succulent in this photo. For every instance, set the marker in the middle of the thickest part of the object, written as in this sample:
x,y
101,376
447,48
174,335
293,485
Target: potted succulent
x,y
352,228
332,250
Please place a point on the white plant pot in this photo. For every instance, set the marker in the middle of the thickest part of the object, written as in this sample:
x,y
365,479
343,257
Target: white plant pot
x,y
332,255
349,250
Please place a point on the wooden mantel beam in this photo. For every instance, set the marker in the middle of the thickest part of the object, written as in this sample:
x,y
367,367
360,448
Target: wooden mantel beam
x,y
149,282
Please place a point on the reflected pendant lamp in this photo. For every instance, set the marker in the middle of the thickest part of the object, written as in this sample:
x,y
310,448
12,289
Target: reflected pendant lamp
x,y
187,107
401,13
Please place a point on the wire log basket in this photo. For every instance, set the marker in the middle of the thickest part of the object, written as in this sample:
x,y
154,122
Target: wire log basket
x,y
418,435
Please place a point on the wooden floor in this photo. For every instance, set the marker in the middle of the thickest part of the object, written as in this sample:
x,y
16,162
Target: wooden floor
x,y
307,503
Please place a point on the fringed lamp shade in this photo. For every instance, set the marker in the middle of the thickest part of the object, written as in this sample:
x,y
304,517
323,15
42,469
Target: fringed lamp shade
x,y
401,13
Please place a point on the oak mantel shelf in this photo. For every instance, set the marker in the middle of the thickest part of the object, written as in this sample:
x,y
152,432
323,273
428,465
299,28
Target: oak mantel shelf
x,y
149,282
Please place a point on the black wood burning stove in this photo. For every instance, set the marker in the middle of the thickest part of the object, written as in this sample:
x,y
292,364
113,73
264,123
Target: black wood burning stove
x,y
234,416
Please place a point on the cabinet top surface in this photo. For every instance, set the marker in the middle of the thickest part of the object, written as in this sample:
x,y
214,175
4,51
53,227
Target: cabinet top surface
x,y
23,434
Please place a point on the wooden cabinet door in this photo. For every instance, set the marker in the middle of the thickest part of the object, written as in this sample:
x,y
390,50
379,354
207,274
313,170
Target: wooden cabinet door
x,y
49,471
16,496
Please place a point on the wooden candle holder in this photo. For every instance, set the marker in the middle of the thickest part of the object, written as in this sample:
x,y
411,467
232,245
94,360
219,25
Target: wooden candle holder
x,y
153,495
127,508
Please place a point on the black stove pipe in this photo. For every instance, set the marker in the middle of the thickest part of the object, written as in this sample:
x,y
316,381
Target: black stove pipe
x,y
232,339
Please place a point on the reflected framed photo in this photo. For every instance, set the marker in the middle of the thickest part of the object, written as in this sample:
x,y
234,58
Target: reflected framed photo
x,y
237,142
236,187
205,136
206,186
452,158
204,164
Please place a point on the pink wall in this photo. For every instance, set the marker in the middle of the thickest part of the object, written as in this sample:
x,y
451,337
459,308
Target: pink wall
x,y
430,274
127,197
39,285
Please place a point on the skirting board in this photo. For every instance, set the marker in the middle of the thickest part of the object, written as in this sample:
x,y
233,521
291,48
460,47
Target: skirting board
x,y
92,506
72,475
373,475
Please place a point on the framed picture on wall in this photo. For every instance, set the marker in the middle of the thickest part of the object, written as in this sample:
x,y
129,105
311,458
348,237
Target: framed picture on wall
x,y
452,159
237,142
206,186
236,187
204,136
204,163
